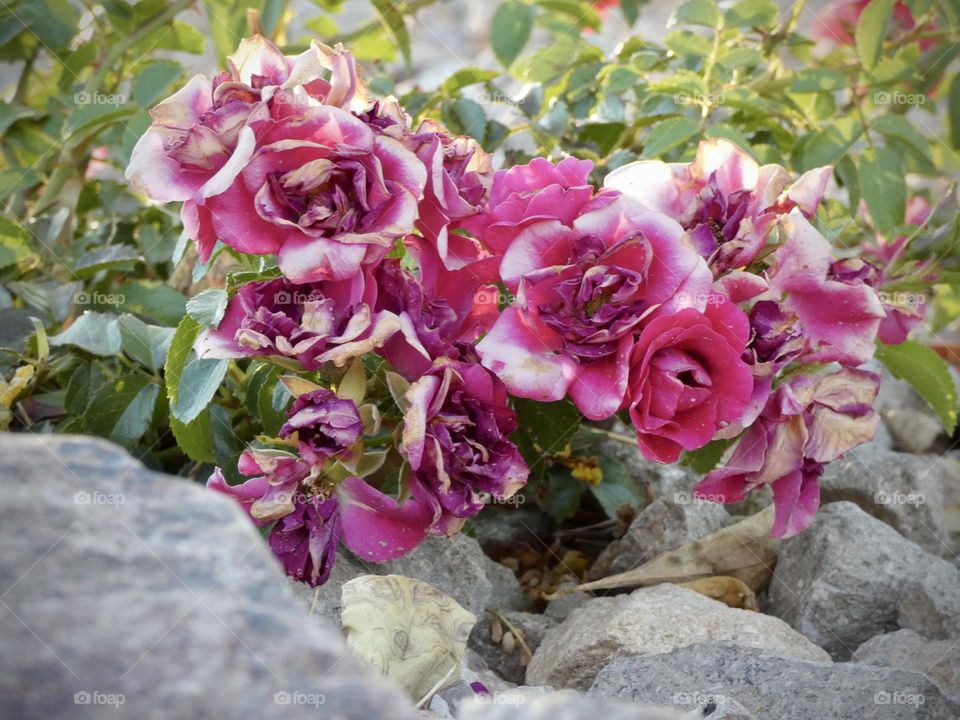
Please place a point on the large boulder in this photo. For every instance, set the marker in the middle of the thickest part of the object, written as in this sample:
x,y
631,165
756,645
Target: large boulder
x,y
938,659
127,588
650,621
904,491
773,686
849,577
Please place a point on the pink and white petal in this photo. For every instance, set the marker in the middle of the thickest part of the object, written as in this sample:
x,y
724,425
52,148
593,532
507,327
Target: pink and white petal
x,y
383,325
237,223
400,165
651,183
734,168
541,245
304,259
740,285
374,527
419,397
599,388
807,192
257,56
155,174
246,144
796,498
528,359
832,434
802,262
198,224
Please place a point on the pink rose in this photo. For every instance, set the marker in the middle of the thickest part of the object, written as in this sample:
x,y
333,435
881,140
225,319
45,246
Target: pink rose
x,y
687,379
527,194
839,318
582,294
727,202
808,421
324,191
204,134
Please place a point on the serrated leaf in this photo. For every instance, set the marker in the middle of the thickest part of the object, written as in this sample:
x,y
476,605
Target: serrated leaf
x,y
927,373
510,29
872,29
199,382
669,134
112,257
884,187
96,333
181,346
207,307
464,78
699,12
410,632
195,438
122,410
752,13
147,344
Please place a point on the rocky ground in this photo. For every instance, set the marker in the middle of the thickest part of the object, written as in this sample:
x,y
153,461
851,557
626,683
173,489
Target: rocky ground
x,y
153,597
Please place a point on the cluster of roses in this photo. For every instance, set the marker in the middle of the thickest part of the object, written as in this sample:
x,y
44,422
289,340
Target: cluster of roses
x,y
678,293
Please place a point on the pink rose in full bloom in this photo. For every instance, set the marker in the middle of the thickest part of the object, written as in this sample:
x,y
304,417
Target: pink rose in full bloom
x,y
324,191
724,199
808,421
203,135
331,321
687,379
455,438
839,318
532,193
582,293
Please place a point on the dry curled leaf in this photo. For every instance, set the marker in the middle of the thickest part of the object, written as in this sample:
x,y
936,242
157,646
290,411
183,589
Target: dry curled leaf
x,y
728,590
744,551
409,631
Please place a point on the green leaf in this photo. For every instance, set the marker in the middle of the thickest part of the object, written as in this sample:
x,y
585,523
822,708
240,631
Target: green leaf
x,y
752,13
111,257
631,10
465,117
259,400
199,382
207,307
391,18
616,488
927,373
151,83
154,300
884,187
819,80
708,457
699,12
195,439
510,29
898,128
14,242
122,410
872,29
562,497
580,13
147,344
544,429
953,112
669,134
829,145
97,333
181,346
466,77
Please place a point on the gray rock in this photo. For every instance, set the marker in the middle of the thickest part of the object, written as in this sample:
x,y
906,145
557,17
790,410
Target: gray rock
x,y
124,587
563,605
534,704
937,659
904,491
930,602
510,664
506,592
841,581
773,686
649,621
660,527
324,601
501,528
913,431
